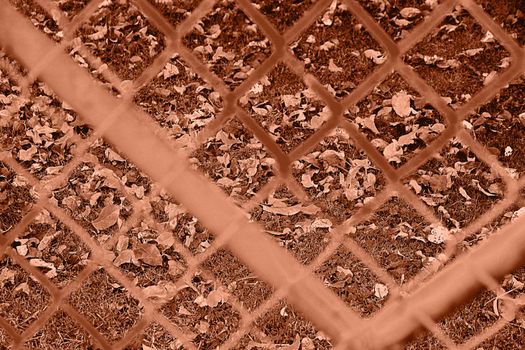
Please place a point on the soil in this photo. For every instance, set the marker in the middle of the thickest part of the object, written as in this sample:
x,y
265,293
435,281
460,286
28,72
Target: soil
x,y
154,239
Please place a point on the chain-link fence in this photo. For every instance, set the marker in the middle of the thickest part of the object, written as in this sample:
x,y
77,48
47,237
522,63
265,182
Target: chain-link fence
x,y
105,98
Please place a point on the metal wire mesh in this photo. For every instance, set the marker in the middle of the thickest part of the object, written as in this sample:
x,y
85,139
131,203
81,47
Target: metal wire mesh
x,y
417,304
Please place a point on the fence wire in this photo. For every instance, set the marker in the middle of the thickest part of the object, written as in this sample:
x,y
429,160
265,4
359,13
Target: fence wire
x,y
420,303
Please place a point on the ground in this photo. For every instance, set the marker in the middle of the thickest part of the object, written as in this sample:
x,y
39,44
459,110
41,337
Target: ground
x,y
153,240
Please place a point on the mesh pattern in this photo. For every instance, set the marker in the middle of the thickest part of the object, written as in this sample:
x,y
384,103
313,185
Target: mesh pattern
x,y
419,303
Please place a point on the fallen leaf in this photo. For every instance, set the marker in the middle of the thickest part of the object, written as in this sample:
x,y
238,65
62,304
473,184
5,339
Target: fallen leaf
x,y
100,33
488,38
438,235
203,327
409,12
169,71
148,253
485,192
327,45
417,188
489,77
165,239
295,345
321,223
306,181
307,344
380,291
327,16
260,111
41,263
401,103
125,257
161,293
290,100
292,210
23,287
28,154
332,67
368,123
464,193
376,56
107,218
402,22
216,297
393,151
6,276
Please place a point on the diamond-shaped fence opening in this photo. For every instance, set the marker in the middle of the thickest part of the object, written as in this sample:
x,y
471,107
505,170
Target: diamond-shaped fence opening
x,y
229,42
284,106
118,29
338,50
23,298
106,304
72,334
16,198
70,8
53,248
397,119
458,57
398,18
161,210
337,176
236,160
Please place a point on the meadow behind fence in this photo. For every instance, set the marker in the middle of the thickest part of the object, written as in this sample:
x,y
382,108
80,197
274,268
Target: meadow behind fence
x,y
208,269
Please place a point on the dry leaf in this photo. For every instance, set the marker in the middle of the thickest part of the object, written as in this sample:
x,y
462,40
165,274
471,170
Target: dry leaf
x,y
216,297
295,345
417,188
380,291
489,77
307,344
23,287
28,154
148,253
99,34
409,12
107,218
165,239
401,103
393,151
41,263
292,210
260,111
327,45
306,181
215,31
438,235
376,56
290,100
169,71
464,193
368,123
125,257
332,67
113,156
6,276
161,293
